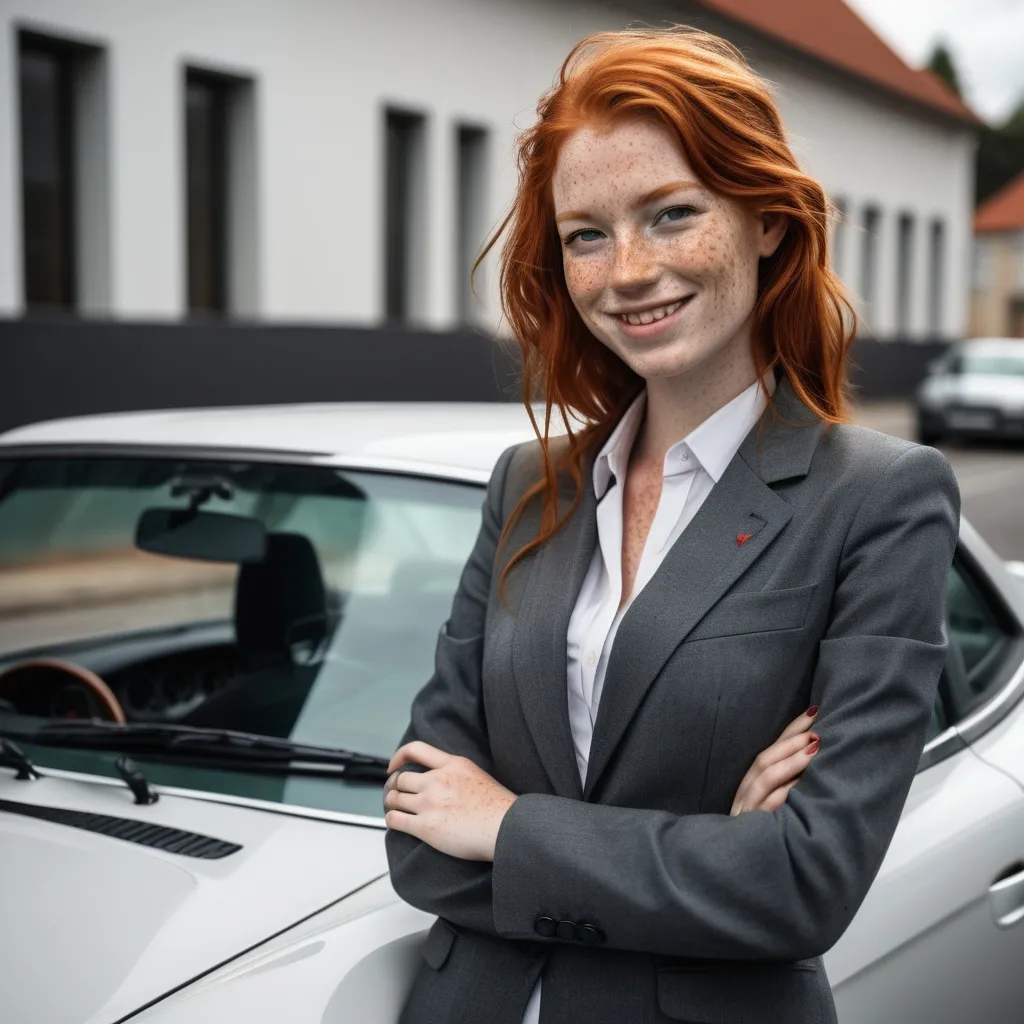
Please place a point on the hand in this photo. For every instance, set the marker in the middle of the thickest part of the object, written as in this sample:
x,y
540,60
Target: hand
x,y
455,806
777,769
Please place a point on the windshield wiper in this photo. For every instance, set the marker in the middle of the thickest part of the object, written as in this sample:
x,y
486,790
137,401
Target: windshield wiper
x,y
243,751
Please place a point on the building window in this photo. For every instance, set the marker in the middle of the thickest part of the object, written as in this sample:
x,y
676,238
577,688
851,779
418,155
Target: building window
x,y
981,264
404,214
839,235
869,254
206,160
904,272
62,101
936,270
45,77
471,203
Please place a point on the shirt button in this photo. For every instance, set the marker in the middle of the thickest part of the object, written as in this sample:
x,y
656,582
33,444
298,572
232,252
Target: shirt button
x,y
684,456
591,658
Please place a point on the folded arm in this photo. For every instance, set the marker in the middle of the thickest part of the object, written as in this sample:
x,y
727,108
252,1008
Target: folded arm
x,y
782,884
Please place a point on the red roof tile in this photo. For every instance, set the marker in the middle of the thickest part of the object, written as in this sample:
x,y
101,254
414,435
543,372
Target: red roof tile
x,y
1003,211
833,32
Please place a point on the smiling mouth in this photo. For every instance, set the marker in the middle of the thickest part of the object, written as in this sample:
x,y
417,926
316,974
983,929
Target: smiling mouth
x,y
650,316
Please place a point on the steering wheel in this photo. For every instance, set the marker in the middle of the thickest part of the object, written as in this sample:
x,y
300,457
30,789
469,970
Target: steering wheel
x,y
20,686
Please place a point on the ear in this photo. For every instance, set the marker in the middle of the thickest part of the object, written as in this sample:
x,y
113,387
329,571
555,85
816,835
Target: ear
x,y
773,230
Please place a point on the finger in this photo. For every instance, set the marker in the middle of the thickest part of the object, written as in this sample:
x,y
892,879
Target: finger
x,y
411,782
779,774
401,821
778,751
800,724
418,752
396,800
774,800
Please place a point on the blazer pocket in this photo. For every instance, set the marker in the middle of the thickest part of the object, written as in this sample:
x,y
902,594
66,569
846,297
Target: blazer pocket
x,y
761,612
744,993
438,944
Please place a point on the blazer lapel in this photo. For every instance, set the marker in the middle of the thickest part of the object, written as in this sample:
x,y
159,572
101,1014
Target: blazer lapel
x,y
539,636
701,567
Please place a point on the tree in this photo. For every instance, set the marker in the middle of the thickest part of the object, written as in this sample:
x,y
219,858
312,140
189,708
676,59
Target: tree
x,y
1000,154
940,63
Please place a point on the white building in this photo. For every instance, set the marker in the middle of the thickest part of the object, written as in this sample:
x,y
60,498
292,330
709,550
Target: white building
x,y
335,161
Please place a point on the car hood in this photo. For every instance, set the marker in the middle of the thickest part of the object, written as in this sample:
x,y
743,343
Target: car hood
x,y
96,926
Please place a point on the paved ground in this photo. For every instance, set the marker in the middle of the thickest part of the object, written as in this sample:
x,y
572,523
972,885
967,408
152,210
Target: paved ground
x,y
991,478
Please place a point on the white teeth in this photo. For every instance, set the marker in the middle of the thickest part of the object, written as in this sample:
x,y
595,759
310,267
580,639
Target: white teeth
x,y
649,316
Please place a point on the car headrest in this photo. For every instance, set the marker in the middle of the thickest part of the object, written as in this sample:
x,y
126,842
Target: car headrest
x,y
281,601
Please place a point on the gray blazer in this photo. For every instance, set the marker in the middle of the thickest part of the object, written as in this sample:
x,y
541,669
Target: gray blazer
x,y
637,896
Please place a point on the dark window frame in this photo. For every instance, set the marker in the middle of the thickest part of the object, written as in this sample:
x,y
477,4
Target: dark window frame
x,y
64,53
472,147
906,225
871,223
936,273
838,241
404,132
207,203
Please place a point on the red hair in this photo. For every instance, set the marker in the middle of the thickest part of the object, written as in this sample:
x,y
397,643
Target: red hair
x,y
702,90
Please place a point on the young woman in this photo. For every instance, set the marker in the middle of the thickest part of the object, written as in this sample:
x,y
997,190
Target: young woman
x,y
651,600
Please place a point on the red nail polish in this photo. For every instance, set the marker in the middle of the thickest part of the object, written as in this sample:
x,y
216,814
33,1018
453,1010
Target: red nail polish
x,y
813,748
811,711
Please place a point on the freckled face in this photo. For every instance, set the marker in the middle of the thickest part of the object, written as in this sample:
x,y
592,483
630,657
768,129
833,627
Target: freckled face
x,y
662,270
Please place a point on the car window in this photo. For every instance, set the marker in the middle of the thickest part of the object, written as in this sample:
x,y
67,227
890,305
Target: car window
x,y
999,365
980,641
325,638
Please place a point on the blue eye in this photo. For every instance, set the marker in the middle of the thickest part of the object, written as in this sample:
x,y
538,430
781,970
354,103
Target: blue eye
x,y
579,234
677,213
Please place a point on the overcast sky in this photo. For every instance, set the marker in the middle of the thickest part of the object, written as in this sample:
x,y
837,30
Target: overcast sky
x,y
985,36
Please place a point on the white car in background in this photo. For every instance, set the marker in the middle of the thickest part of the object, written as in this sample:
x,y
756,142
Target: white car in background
x,y
212,624
974,390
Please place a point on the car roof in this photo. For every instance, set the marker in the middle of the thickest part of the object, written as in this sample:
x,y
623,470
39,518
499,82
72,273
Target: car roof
x,y
459,435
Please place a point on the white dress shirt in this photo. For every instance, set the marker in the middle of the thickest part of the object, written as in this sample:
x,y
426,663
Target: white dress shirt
x,y
692,467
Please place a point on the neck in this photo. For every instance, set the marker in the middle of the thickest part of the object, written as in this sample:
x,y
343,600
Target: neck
x,y
676,406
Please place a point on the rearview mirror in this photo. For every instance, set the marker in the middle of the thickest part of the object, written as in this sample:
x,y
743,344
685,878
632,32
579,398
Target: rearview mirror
x,y
203,536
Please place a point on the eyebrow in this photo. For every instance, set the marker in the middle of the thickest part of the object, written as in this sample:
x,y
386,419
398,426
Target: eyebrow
x,y
647,197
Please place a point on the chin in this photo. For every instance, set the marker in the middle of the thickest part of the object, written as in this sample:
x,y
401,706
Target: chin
x,y
656,365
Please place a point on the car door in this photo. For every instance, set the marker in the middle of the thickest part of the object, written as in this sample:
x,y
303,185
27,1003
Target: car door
x,y
935,940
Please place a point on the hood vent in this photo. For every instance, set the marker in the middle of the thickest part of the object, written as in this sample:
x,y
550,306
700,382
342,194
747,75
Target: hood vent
x,y
157,837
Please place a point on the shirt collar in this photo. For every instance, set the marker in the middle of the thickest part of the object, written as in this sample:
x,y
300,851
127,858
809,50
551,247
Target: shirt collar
x,y
713,444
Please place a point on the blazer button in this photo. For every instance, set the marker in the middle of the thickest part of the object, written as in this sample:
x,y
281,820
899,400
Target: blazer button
x,y
544,926
591,935
567,930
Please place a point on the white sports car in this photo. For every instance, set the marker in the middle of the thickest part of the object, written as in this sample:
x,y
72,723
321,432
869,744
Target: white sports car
x,y
212,624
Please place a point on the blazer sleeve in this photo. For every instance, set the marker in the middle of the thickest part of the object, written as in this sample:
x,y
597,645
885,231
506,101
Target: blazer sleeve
x,y
785,884
448,713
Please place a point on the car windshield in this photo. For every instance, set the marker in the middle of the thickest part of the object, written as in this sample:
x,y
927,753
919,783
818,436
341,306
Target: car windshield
x,y
294,601
997,365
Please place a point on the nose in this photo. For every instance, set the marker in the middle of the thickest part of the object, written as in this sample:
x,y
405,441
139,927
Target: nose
x,y
635,263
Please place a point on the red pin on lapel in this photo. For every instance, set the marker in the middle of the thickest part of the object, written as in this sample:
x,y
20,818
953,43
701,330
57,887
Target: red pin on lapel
x,y
742,538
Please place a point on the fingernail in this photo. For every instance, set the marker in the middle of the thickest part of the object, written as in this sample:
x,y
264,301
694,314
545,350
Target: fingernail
x,y
811,711
813,748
